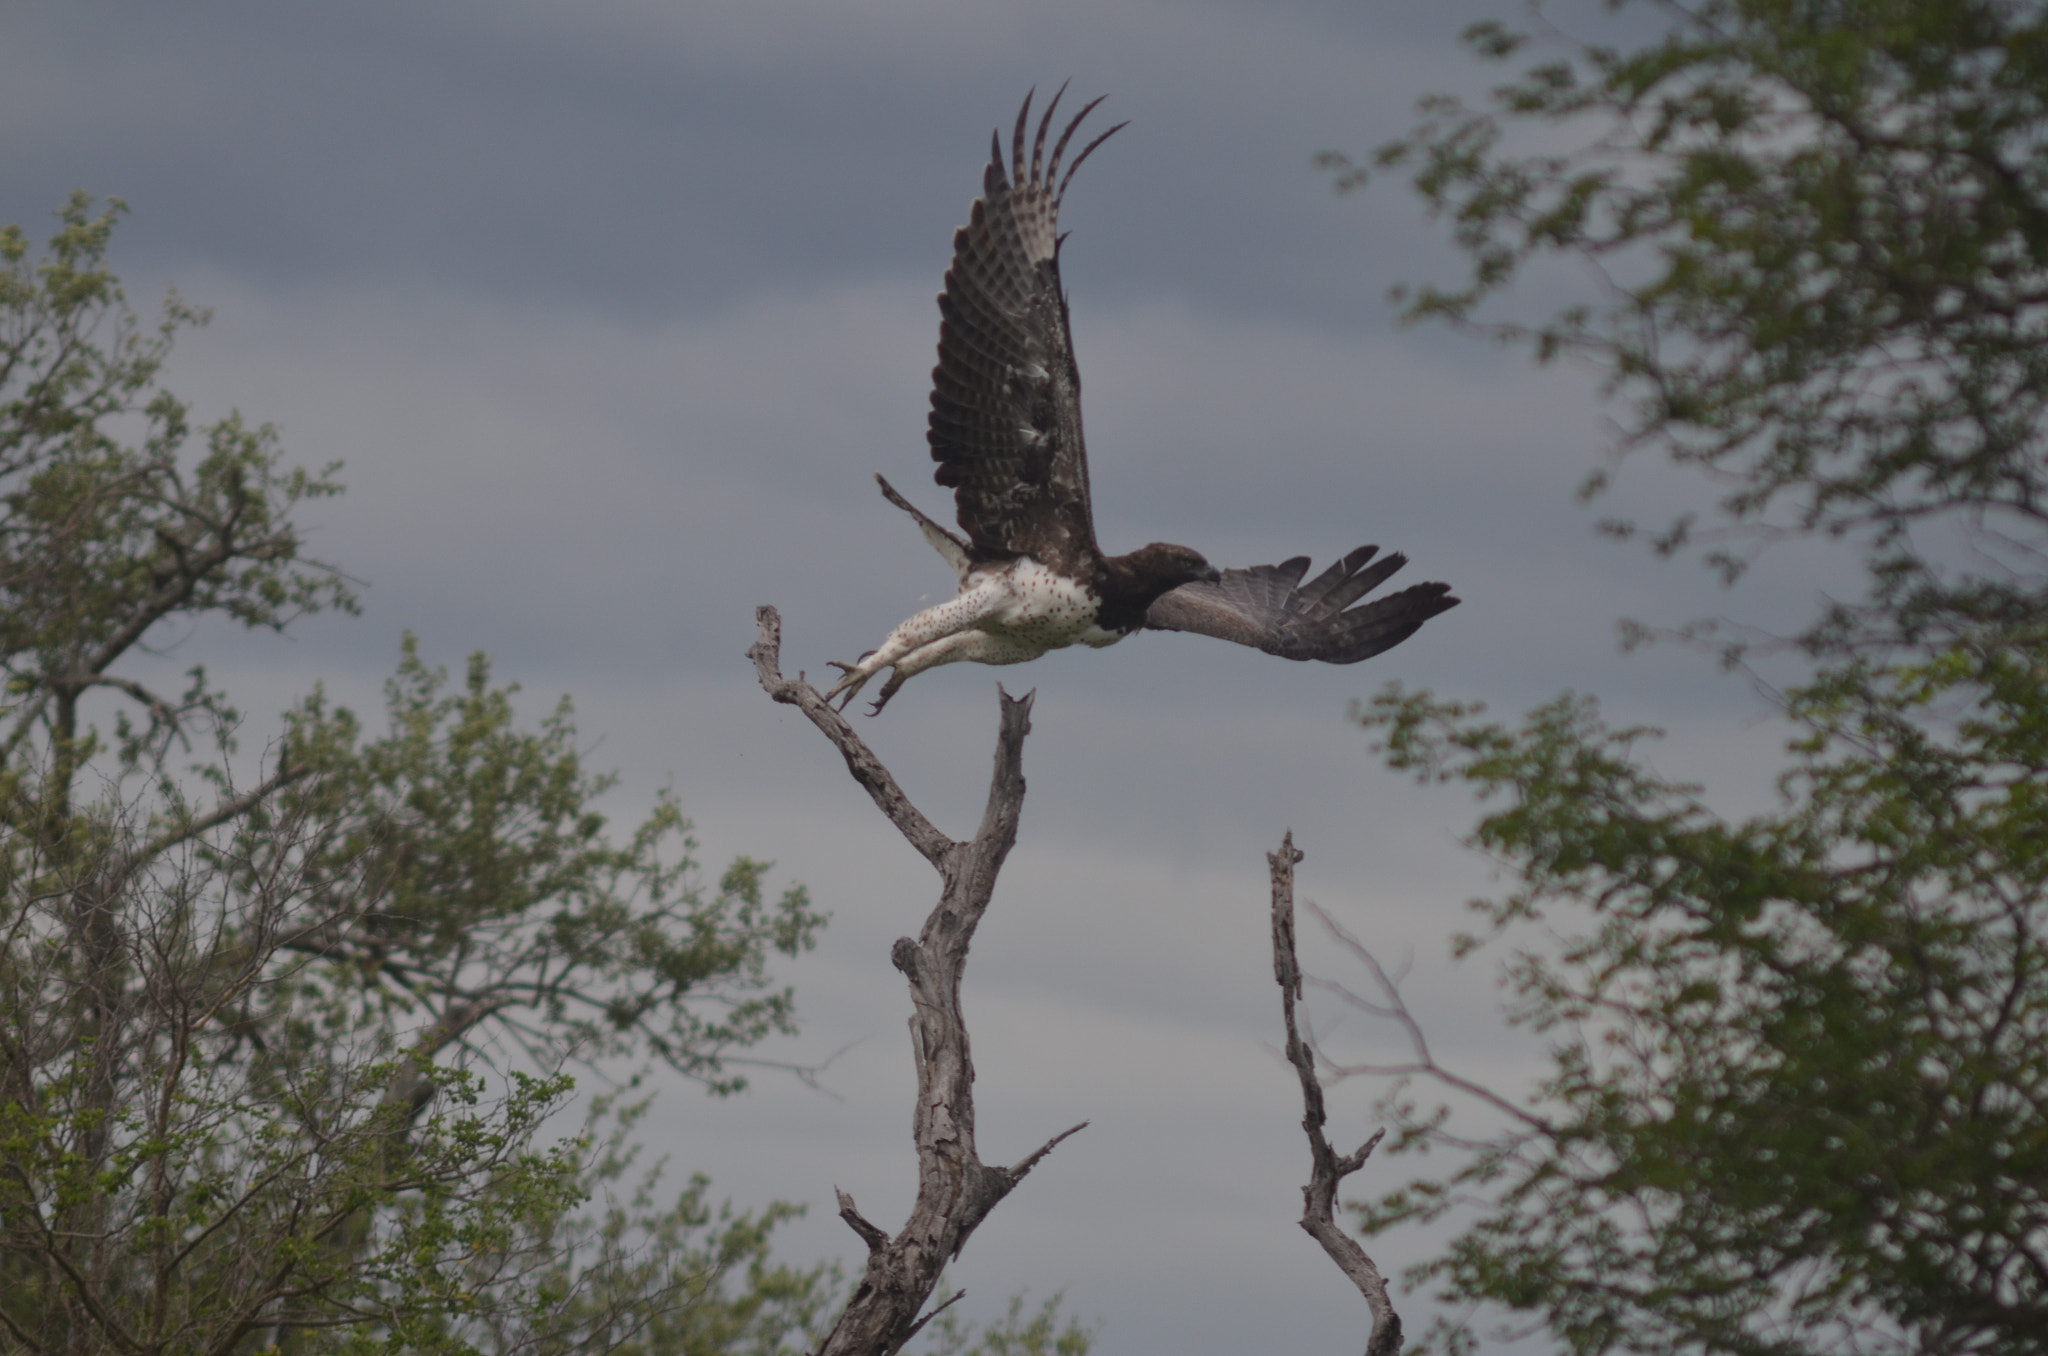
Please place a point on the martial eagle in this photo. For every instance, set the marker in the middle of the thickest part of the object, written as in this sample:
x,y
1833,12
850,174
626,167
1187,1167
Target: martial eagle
x,y
1006,433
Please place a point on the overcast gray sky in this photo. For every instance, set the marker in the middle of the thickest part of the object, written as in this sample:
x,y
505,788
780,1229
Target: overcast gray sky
x,y
612,309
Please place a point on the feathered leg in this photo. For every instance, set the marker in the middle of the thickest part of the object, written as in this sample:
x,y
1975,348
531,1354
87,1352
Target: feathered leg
x,y
972,645
983,599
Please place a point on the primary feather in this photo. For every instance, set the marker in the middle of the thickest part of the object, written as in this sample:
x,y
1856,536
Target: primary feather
x,y
1006,395
1267,608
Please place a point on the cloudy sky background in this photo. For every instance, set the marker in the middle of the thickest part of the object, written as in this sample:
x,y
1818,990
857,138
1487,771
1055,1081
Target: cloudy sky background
x,y
612,309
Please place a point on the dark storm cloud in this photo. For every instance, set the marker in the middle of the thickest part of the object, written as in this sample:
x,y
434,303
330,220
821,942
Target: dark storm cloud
x,y
660,158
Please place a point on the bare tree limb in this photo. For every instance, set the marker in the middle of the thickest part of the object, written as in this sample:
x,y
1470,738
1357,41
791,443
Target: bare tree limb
x,y
869,1234
955,1189
159,708
766,652
1326,1168
1394,1008
233,808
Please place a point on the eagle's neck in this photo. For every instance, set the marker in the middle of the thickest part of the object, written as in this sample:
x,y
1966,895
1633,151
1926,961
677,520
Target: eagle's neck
x,y
1130,584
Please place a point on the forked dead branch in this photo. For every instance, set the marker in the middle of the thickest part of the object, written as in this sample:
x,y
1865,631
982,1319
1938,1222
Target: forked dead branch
x,y
955,1189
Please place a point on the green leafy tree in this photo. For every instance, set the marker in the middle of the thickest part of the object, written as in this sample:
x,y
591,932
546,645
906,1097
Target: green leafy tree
x,y
1821,230
1797,1094
1798,1098
102,541
276,1045
644,1274
480,900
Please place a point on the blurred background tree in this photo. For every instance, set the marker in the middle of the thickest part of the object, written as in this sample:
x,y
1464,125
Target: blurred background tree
x,y
279,1029
1798,1092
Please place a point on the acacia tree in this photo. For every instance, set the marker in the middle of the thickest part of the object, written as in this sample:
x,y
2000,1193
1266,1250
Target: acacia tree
x,y
1798,1097
275,1044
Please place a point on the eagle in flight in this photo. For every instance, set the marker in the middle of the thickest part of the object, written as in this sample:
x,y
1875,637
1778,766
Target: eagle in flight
x,y
1006,433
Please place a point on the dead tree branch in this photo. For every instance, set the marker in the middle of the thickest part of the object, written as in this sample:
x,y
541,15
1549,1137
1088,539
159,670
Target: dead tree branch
x,y
1326,1169
955,1190
766,652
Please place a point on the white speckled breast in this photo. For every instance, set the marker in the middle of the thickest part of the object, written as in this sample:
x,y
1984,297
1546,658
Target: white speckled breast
x,y
1046,608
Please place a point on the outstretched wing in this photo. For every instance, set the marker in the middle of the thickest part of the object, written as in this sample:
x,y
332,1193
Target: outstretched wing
x,y
1006,398
1269,608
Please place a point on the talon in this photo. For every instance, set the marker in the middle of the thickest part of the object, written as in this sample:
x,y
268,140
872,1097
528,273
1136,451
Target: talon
x,y
856,677
888,690
852,679
850,685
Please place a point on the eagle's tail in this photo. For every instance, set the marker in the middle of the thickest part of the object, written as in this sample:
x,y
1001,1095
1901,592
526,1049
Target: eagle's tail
x,y
953,548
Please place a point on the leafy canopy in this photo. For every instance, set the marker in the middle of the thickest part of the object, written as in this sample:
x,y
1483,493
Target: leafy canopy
x,y
105,539
279,1034
1820,230
481,894
1796,1099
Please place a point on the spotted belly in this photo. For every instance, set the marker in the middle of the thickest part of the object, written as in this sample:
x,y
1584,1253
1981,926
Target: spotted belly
x,y
1044,609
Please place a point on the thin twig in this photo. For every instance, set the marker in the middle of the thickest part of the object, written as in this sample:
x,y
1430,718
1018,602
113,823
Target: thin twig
x,y
943,1305
1395,1008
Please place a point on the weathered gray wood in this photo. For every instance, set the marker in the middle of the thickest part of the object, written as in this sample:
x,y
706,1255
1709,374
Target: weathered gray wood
x,y
766,652
1326,1168
955,1189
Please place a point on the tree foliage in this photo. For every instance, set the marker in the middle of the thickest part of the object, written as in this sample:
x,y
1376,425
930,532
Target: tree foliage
x,y
1797,1096
1821,230
484,895
279,1031
104,540
1799,1092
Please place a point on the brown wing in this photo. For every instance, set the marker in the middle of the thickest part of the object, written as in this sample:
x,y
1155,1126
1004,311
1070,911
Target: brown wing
x,y
1269,608
1006,398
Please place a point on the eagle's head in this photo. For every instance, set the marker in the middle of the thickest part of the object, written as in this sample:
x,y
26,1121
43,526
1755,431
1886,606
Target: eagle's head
x,y
1162,566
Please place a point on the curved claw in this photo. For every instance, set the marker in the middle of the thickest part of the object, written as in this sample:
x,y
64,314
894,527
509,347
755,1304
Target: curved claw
x,y
855,679
847,687
889,690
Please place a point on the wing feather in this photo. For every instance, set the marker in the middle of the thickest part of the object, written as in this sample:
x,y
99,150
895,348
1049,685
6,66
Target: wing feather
x,y
1005,424
1268,608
